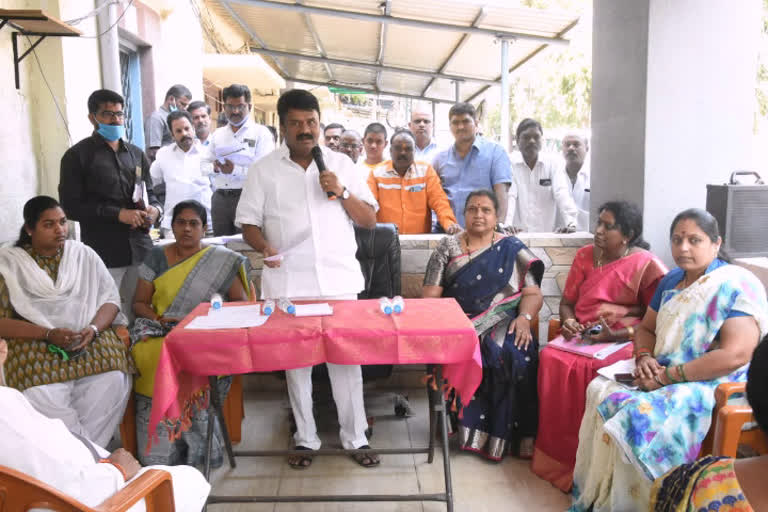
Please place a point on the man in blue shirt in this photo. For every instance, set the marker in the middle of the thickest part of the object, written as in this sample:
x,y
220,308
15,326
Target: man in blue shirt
x,y
472,163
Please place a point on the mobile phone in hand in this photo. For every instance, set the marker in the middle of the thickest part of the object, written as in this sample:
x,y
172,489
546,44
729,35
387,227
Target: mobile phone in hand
x,y
624,378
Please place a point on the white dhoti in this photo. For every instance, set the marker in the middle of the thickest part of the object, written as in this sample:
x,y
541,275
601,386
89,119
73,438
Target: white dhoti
x,y
91,407
347,388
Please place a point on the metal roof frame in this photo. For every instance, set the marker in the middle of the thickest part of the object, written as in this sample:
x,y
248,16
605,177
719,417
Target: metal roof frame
x,y
296,55
377,18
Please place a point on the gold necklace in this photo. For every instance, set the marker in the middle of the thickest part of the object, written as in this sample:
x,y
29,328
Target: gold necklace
x,y
469,249
600,262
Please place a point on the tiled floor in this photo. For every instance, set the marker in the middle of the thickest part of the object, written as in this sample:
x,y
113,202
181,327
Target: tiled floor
x,y
478,485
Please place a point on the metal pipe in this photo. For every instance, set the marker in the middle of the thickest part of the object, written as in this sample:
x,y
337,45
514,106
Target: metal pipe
x,y
109,46
367,89
316,39
505,94
370,65
527,58
248,30
330,451
459,46
457,90
330,498
377,18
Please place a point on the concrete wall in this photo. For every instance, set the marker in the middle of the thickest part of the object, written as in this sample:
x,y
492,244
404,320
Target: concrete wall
x,y
33,136
673,102
702,63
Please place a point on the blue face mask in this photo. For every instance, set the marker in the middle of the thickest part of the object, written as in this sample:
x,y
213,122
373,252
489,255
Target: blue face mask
x,y
111,132
172,108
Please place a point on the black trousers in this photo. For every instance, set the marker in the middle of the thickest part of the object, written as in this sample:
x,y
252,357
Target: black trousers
x,y
223,208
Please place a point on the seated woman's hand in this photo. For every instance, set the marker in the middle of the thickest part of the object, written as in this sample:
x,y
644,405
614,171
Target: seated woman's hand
x,y
647,367
86,337
168,321
646,384
522,329
571,328
64,338
605,335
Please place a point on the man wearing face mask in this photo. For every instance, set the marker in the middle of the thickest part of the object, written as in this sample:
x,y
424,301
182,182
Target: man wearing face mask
x,y
232,150
156,128
105,184
178,166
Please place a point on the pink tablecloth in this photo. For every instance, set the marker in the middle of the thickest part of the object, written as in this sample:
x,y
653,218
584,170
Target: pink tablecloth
x,y
428,331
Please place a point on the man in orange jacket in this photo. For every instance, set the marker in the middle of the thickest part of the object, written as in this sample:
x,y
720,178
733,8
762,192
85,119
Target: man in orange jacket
x,y
408,191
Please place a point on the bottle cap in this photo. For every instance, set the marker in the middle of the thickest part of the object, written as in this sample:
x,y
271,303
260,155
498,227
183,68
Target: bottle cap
x,y
291,309
398,308
388,310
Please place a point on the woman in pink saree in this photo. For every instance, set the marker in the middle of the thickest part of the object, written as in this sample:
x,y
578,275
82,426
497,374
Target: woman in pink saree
x,y
610,284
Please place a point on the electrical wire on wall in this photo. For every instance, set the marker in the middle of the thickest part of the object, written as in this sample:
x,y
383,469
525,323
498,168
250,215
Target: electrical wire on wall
x,y
125,10
55,101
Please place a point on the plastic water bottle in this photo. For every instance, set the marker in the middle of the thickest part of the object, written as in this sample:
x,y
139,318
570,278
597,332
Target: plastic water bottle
x,y
216,303
286,306
398,304
268,307
385,305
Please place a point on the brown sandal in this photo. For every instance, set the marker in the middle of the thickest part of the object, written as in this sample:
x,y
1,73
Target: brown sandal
x,y
300,461
367,460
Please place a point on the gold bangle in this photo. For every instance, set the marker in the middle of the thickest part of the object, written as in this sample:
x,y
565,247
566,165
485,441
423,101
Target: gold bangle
x,y
631,331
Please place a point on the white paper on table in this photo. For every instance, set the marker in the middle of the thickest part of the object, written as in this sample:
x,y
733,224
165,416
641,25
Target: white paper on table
x,y
624,366
230,317
282,254
323,309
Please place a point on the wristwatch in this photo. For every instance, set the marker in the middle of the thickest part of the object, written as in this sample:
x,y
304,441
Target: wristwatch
x,y
345,194
95,330
527,316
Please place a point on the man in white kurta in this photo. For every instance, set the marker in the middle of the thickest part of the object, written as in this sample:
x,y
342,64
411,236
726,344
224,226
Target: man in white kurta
x,y
178,166
540,188
43,448
285,210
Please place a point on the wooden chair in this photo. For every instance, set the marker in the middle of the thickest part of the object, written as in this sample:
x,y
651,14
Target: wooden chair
x,y
728,431
554,329
20,492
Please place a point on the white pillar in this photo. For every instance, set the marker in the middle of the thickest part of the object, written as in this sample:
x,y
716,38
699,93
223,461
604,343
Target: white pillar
x,y
672,103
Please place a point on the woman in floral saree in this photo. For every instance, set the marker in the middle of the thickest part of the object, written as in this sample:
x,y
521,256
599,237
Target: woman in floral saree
x,y
495,279
173,280
700,329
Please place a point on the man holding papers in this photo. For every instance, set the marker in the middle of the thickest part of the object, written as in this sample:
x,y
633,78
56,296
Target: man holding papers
x,y
289,208
233,148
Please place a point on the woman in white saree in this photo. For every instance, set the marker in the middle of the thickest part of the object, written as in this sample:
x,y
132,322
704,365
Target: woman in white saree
x,y
57,305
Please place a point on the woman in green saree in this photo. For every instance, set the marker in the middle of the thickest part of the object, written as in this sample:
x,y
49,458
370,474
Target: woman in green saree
x,y
173,280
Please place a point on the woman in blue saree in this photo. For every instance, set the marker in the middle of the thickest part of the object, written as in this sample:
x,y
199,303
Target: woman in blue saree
x,y
495,279
699,330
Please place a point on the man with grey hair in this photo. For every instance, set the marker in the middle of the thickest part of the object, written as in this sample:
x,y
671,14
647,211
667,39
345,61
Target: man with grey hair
x,y
575,148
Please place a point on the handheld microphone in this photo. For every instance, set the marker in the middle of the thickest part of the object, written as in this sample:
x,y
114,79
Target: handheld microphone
x,y
317,155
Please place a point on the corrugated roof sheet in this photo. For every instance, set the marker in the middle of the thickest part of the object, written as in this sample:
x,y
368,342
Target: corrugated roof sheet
x,y
423,49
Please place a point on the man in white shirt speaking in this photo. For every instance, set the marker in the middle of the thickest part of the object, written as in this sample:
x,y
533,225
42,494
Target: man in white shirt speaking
x,y
539,187
286,209
178,166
